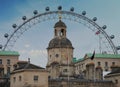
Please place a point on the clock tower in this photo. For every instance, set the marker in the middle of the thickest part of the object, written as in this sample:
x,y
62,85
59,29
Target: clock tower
x,y
60,53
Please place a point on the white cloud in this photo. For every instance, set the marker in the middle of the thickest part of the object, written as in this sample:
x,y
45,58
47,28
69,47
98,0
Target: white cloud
x,y
27,45
34,53
38,57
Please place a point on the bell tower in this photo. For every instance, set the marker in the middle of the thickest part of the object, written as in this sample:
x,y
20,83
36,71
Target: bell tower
x,y
60,53
60,32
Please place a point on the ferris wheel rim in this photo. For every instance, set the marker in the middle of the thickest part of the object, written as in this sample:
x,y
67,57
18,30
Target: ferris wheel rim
x,y
83,17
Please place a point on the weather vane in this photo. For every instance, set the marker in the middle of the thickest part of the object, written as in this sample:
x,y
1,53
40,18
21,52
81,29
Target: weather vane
x,y
59,12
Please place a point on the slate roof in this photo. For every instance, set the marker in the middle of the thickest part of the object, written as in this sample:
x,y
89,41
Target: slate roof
x,y
60,24
114,72
27,65
60,43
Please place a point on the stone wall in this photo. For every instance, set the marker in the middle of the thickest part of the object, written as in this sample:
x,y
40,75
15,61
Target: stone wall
x,y
79,83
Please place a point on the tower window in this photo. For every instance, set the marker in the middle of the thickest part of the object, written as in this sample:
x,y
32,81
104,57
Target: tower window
x,y
62,32
59,34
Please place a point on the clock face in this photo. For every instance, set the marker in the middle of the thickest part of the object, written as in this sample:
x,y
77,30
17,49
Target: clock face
x,y
57,55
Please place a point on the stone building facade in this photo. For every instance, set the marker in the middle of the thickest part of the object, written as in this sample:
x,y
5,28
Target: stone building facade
x,y
105,61
63,68
7,60
26,74
114,75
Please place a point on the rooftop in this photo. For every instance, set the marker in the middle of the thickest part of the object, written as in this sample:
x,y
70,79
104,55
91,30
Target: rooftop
x,y
88,55
98,55
27,65
60,43
114,72
77,60
9,53
60,24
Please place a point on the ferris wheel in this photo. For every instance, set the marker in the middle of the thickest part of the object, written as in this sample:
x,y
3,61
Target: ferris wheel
x,y
106,40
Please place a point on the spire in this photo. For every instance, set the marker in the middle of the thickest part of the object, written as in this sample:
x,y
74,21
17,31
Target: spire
x,y
28,60
59,15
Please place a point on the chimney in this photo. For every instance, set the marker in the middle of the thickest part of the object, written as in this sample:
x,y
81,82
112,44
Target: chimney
x,y
99,73
90,71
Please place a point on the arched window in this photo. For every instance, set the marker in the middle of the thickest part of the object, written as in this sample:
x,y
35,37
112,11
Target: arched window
x,y
62,32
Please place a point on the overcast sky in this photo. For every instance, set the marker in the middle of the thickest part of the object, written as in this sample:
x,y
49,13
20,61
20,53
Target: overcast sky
x,y
33,43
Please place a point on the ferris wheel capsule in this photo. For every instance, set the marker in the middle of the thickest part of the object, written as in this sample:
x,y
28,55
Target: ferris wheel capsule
x,y
118,47
1,46
72,9
59,7
47,8
6,35
14,25
104,27
112,36
84,13
24,18
94,19
35,12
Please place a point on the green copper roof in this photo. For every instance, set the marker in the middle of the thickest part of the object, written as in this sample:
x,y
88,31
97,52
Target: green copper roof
x,y
104,55
9,53
77,60
116,56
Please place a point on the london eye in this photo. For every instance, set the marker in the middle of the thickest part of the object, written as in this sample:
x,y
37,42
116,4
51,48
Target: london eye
x,y
81,18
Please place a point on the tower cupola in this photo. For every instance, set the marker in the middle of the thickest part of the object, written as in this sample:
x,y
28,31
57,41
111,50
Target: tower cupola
x,y
60,40
60,24
60,29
